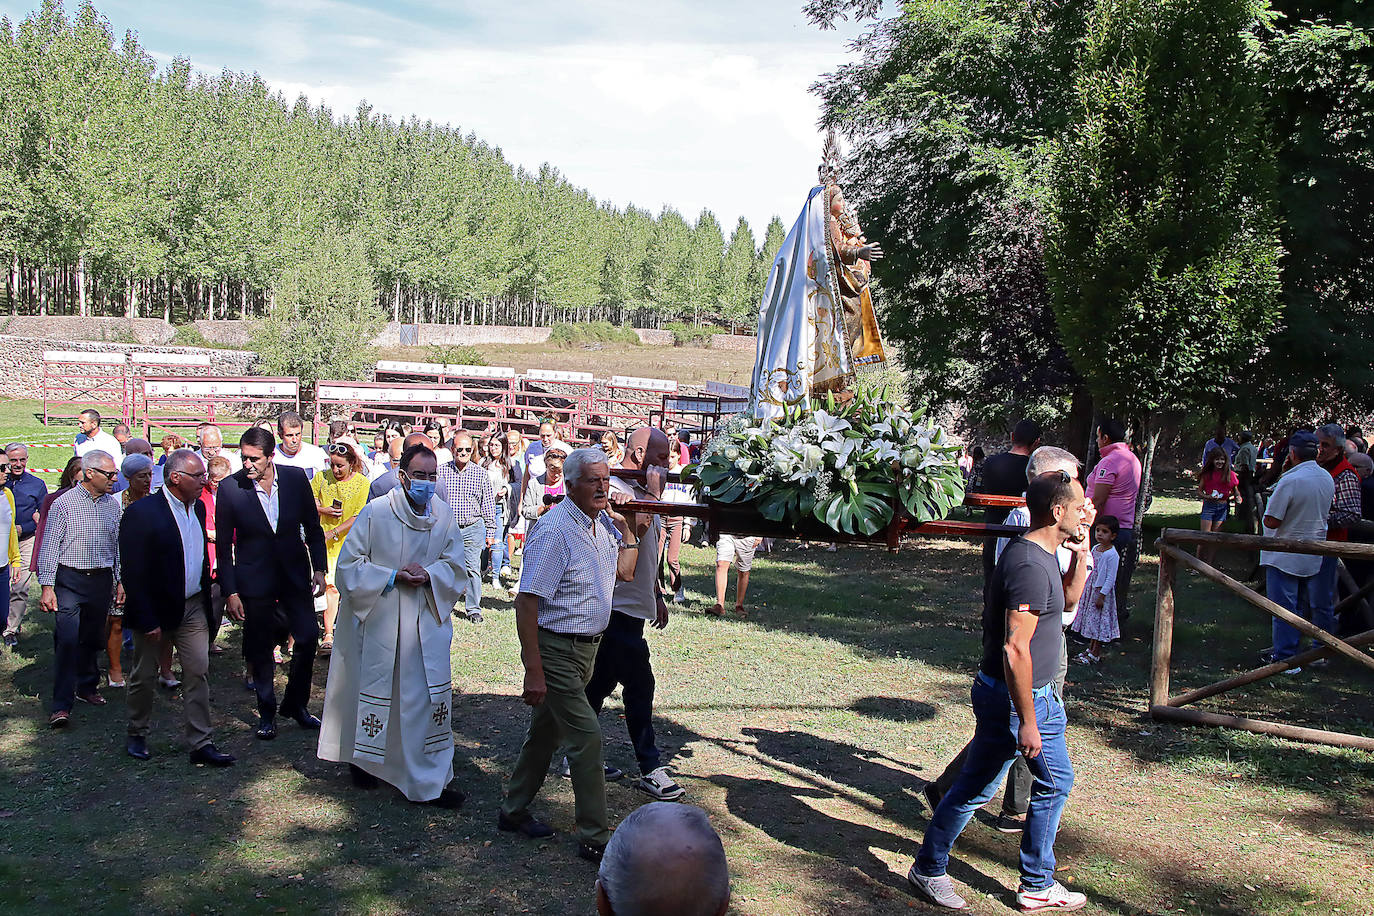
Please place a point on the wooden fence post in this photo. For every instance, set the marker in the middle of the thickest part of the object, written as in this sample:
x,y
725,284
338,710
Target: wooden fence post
x,y
1164,632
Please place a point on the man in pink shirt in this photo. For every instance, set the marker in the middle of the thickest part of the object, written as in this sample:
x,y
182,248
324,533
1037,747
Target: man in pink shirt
x,y
1113,485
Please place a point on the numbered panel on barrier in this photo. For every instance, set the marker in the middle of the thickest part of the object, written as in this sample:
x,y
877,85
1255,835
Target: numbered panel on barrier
x,y
725,390
219,389
74,380
387,395
177,402
171,360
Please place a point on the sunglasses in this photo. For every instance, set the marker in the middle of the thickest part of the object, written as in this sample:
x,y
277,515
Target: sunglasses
x,y
109,475
462,451
340,448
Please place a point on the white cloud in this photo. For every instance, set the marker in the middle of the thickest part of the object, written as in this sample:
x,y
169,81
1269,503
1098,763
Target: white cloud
x,y
730,128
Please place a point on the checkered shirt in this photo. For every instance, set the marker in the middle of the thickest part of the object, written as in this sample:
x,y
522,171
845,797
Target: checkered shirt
x,y
470,495
82,532
569,563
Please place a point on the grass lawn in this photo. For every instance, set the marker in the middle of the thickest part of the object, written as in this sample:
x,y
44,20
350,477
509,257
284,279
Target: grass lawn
x,y
806,731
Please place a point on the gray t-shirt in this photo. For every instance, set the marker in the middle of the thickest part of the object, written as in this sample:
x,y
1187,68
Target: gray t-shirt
x,y
638,597
1027,577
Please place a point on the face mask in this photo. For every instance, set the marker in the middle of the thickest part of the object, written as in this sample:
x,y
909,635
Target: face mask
x,y
421,491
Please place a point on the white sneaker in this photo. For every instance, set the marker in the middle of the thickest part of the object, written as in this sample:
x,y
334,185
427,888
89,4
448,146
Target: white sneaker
x,y
681,595
1054,897
660,785
938,890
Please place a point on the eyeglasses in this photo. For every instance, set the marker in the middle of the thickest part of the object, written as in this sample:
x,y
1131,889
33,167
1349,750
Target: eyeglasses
x,y
421,475
109,475
201,476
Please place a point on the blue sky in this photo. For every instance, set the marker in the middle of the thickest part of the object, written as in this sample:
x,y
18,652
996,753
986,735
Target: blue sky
x,y
688,104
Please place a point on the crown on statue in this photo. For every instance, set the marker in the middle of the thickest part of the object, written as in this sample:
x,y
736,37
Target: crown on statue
x,y
831,160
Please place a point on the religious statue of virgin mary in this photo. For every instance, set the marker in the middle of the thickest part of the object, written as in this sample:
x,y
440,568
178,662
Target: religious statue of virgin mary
x,y
817,325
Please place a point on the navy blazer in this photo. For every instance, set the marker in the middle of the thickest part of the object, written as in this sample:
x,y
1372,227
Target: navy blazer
x,y
152,565
253,560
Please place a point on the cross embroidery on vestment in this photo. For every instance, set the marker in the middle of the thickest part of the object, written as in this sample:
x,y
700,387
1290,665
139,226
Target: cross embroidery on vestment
x,y
441,714
372,725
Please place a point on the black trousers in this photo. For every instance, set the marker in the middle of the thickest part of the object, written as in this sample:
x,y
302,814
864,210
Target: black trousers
x,y
623,658
1016,796
266,622
83,606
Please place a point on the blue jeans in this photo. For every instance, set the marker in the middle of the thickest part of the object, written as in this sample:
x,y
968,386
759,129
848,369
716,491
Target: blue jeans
x,y
1310,597
989,755
474,542
496,556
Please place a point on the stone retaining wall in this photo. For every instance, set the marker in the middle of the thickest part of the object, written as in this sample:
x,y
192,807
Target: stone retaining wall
x,y
734,342
21,360
73,327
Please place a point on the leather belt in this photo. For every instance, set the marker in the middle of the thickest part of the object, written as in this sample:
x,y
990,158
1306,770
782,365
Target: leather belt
x,y
575,637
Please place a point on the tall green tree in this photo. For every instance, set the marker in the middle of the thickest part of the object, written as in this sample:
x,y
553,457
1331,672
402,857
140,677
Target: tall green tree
x,y
739,286
331,293
953,108
1163,249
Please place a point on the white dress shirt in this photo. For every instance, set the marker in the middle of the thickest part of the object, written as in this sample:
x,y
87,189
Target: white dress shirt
x,y
271,506
192,540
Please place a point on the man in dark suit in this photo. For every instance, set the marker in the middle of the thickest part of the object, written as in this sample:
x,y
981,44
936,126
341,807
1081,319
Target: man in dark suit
x,y
269,540
166,570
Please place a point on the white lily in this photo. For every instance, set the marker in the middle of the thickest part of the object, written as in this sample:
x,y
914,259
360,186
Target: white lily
x,y
828,426
846,450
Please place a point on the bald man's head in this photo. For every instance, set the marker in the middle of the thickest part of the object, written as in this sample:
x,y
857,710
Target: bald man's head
x,y
416,439
646,447
664,860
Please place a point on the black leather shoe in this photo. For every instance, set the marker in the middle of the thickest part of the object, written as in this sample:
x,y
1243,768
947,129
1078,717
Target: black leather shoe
x,y
450,799
592,852
137,748
361,778
303,718
527,825
266,730
209,755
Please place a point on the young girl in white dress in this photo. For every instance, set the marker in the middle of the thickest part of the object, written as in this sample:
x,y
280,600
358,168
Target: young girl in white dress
x,y
1096,620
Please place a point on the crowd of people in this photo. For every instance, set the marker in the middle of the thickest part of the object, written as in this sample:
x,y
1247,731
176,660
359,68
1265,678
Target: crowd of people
x,y
366,557
388,545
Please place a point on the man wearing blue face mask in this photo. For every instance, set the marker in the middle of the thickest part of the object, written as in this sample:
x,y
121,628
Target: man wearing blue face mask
x,y
388,704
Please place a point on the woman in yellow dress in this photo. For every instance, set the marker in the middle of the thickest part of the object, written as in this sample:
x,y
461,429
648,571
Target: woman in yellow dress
x,y
340,494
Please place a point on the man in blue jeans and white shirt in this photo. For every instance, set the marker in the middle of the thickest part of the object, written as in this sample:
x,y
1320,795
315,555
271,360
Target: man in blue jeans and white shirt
x,y
1298,509
1014,702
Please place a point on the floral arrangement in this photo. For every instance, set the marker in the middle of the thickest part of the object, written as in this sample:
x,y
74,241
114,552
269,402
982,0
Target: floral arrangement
x,y
848,465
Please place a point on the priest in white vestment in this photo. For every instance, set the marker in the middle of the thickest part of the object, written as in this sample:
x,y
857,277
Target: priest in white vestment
x,y
388,704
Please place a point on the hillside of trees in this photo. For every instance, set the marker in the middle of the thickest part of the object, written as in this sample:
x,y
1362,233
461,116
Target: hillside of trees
x,y
129,189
